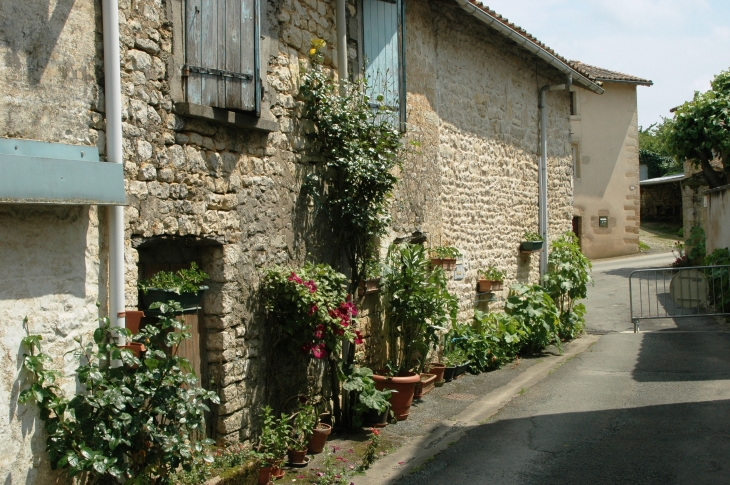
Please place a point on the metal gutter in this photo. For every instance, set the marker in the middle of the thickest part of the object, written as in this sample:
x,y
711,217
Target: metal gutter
x,y
529,45
624,81
341,26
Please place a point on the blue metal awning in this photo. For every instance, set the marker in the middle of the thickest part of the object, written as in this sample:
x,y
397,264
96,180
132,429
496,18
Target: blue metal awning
x,y
33,172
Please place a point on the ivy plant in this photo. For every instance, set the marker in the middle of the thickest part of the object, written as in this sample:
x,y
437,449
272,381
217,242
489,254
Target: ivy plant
x,y
361,151
136,420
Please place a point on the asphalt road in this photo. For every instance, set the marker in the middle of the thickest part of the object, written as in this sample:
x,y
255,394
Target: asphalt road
x,y
648,408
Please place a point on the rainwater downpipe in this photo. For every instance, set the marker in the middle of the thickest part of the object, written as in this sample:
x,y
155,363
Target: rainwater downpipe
x,y
542,172
341,25
113,96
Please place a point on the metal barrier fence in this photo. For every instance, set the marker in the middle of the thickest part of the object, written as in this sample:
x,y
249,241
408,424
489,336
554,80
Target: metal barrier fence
x,y
679,292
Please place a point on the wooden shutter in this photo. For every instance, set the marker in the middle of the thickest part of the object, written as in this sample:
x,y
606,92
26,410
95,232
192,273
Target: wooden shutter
x,y
221,49
383,52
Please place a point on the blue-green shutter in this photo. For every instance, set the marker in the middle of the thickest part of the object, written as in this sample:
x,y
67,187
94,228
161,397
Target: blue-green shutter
x,y
382,49
221,54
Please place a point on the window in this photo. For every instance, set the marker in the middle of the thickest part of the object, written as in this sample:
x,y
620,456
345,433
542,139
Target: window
x,y
383,50
573,103
575,153
222,54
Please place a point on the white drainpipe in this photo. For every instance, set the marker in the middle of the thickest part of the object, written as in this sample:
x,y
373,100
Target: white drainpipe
x,y
542,172
341,21
113,96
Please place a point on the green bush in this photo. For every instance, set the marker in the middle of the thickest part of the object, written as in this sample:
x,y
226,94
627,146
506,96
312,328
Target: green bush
x,y
535,310
136,421
719,278
567,281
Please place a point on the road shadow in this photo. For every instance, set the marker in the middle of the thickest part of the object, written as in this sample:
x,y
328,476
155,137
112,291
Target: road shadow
x,y
664,444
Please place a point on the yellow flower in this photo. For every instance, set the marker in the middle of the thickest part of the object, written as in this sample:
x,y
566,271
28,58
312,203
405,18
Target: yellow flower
x,y
312,52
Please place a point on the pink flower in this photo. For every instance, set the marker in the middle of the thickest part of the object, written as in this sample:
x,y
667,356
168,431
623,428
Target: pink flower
x,y
351,451
311,285
319,331
293,277
320,474
358,337
313,310
351,467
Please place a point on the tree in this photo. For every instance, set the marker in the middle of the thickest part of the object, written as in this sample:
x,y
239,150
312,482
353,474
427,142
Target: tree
x,y
700,132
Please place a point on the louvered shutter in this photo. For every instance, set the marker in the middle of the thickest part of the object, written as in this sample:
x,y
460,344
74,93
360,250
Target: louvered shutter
x,y
221,49
382,48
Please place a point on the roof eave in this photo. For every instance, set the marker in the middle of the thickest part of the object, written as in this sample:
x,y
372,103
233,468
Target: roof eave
x,y
625,81
521,40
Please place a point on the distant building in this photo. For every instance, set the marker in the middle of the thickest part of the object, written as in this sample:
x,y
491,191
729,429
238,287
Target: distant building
x,y
605,150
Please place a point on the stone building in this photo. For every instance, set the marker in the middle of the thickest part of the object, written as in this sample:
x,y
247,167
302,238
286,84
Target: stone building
x,y
214,152
605,151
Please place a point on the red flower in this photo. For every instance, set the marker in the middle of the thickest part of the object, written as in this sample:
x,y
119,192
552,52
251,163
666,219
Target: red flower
x,y
313,310
311,285
318,351
375,431
293,277
358,337
319,332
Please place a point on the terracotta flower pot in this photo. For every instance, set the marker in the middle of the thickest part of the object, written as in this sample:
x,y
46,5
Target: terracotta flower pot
x,y
369,286
297,457
136,348
449,264
438,370
404,386
424,386
485,286
264,475
319,438
277,473
132,319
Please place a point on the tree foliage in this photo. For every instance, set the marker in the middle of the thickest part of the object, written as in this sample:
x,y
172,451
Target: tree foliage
x,y
700,131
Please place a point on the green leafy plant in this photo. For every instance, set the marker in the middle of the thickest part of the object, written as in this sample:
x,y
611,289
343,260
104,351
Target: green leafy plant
x,y
533,307
719,277
182,281
136,421
444,252
492,274
697,243
274,439
303,422
567,282
454,355
417,306
368,398
531,236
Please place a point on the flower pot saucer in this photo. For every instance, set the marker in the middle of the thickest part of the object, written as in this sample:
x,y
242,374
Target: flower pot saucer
x,y
300,465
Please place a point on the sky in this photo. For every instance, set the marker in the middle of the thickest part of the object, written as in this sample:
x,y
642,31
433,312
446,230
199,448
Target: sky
x,y
678,44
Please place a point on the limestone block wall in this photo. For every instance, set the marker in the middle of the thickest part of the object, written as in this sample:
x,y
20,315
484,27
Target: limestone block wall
x,y
50,61
471,180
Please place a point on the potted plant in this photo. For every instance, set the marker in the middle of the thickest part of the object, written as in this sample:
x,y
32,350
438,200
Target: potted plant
x,y
303,422
454,359
371,280
417,306
425,385
371,405
444,257
490,279
272,443
183,286
531,242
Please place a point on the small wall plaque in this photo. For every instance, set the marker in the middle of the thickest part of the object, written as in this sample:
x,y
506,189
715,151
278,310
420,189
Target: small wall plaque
x,y
603,221
459,272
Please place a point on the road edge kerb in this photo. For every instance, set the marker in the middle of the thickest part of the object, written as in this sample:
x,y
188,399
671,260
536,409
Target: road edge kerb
x,y
416,452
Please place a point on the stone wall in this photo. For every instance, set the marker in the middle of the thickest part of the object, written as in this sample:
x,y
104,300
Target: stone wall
x,y
471,181
662,202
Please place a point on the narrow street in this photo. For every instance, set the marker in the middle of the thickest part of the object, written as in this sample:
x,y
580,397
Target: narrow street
x,y
652,408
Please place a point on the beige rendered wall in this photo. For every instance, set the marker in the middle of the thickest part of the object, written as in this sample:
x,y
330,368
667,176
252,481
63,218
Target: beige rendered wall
x,y
718,214
605,130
